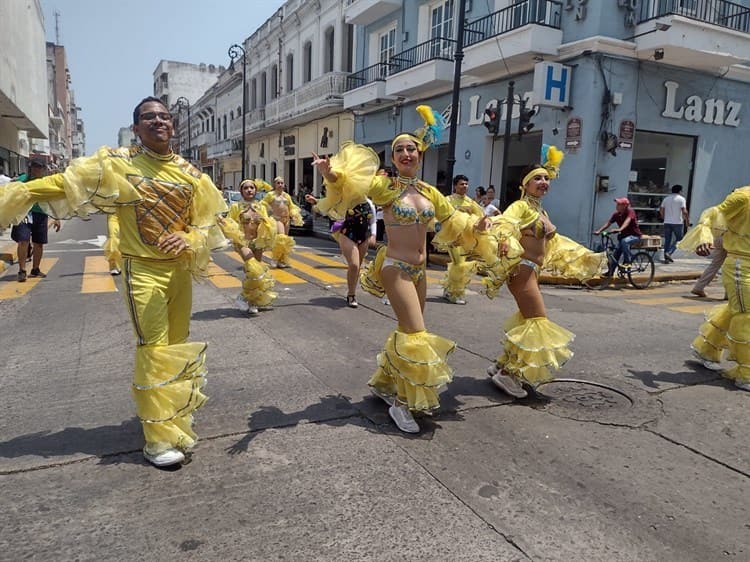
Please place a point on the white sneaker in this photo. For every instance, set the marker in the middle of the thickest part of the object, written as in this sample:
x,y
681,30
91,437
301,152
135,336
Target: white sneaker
x,y
403,419
459,300
493,369
165,458
387,398
241,304
252,310
509,385
282,265
385,301
115,271
742,385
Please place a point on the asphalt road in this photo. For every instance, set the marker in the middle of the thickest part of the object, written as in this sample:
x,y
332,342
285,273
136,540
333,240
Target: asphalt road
x,y
298,461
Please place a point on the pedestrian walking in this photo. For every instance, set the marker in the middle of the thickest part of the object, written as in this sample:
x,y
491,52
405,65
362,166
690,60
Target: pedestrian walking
x,y
718,255
673,211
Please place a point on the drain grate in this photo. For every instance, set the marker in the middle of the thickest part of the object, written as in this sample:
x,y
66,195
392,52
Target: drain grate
x,y
584,400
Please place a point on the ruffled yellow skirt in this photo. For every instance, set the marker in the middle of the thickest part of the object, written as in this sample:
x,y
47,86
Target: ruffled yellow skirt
x,y
727,326
412,367
533,346
167,390
370,278
458,274
282,248
258,284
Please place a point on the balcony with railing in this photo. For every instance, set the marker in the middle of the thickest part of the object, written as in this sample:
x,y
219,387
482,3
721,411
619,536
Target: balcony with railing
x,y
365,12
318,98
698,34
513,36
224,148
203,138
366,86
427,66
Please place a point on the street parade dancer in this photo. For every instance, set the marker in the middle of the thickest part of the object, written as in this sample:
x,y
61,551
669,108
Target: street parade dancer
x,y
252,231
412,365
727,326
281,206
355,232
459,271
167,214
529,243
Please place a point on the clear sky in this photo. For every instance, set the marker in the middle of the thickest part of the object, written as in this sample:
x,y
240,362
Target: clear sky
x,y
113,48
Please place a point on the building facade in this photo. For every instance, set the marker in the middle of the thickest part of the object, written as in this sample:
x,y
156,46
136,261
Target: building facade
x,y
640,95
23,82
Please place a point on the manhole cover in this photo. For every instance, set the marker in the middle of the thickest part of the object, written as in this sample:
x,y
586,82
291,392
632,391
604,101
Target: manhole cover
x,y
584,400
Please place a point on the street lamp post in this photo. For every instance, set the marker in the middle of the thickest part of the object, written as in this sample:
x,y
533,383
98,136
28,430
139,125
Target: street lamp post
x,y
458,57
235,53
182,102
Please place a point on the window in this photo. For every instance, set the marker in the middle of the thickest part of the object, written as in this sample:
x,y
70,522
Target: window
x,y
274,82
252,171
307,62
263,89
329,50
231,115
224,127
441,25
387,45
289,72
253,94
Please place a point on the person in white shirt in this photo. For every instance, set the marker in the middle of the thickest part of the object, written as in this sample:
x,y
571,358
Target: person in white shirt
x,y
673,212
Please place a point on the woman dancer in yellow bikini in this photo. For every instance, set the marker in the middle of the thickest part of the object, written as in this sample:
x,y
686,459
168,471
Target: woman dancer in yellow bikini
x,y
252,231
727,326
280,205
528,243
412,366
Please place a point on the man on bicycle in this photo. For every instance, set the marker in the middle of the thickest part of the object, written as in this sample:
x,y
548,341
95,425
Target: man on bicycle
x,y
627,233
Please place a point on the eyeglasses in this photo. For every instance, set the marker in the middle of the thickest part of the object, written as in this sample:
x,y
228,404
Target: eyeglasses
x,y
151,115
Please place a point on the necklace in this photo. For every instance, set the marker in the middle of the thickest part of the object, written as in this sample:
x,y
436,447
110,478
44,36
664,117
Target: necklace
x,y
534,202
407,181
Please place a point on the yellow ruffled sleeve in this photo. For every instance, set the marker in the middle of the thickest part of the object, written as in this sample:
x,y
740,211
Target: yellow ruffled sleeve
x,y
505,230
232,231
567,258
112,244
355,166
295,213
203,233
710,224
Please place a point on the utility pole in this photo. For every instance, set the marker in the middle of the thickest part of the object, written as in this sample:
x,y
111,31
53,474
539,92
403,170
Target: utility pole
x,y
458,57
506,146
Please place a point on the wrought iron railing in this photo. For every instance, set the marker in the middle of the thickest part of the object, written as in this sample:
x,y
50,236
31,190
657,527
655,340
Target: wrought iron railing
x,y
322,91
539,12
437,48
378,71
717,12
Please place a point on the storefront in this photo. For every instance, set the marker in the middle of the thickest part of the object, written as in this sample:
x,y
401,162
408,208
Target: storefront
x,y
632,129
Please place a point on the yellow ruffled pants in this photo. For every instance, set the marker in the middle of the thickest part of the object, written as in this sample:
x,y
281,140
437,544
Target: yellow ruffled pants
x,y
727,326
412,368
169,373
282,248
532,347
458,275
257,285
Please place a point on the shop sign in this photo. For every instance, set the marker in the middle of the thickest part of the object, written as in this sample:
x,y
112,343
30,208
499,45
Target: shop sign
x,y
552,84
573,134
714,111
627,133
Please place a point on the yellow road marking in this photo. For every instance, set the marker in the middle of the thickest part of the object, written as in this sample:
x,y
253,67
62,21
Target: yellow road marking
x,y
318,274
322,259
222,279
96,277
695,309
12,289
281,275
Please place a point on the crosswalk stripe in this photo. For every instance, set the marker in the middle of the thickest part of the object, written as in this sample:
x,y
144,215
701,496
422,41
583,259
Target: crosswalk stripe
x,y
694,309
280,275
322,259
221,278
318,274
96,277
12,289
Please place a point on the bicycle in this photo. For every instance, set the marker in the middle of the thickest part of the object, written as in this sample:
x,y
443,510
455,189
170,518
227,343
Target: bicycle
x,y
640,273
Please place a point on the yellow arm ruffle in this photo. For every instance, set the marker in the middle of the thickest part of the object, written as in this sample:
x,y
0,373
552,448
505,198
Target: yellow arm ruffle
x,y
355,166
504,230
567,258
710,224
370,278
112,244
232,231
15,203
413,367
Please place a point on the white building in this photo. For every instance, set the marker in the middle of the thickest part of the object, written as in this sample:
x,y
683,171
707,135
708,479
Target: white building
x,y
174,79
125,136
23,81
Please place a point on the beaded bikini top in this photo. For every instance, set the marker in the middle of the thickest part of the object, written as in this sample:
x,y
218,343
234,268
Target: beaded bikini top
x,y
405,214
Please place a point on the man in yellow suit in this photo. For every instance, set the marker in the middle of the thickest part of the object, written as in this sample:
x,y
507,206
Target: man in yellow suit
x,y
167,212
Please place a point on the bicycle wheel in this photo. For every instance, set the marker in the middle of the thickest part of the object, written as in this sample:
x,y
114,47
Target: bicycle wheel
x,y
642,272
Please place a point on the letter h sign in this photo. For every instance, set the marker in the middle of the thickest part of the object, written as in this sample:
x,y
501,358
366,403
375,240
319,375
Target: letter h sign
x,y
552,84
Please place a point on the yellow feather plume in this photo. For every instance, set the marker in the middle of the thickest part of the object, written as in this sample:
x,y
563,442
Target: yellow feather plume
x,y
262,185
425,112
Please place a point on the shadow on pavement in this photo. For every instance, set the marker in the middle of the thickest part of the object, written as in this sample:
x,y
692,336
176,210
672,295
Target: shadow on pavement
x,y
698,375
